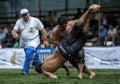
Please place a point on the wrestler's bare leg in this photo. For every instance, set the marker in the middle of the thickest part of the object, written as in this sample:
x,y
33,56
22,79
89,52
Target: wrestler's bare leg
x,y
46,67
80,69
88,71
87,17
49,74
52,64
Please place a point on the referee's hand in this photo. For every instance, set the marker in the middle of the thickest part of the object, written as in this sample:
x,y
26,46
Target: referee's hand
x,y
16,36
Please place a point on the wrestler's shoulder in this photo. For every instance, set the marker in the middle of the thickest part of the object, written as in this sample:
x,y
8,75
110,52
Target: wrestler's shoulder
x,y
55,28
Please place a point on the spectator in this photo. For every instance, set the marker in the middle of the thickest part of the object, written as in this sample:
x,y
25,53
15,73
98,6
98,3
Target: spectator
x,y
111,19
118,19
117,39
16,44
7,27
111,35
103,34
9,41
55,18
48,19
2,36
104,21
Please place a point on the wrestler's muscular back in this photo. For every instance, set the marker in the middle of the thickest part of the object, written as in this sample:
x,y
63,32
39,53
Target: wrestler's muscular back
x,y
54,62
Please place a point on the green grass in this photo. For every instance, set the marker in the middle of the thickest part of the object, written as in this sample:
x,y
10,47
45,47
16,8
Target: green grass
x,y
12,76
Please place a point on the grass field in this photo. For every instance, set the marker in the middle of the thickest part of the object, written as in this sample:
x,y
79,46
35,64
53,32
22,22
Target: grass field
x,y
12,76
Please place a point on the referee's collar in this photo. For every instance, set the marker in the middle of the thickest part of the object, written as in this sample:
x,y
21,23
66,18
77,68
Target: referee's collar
x,y
27,20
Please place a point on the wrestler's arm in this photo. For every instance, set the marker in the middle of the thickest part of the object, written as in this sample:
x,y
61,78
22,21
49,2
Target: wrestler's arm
x,y
53,38
90,11
87,24
67,70
86,17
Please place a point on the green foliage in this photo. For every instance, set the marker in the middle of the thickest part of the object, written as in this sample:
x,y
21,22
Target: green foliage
x,y
12,76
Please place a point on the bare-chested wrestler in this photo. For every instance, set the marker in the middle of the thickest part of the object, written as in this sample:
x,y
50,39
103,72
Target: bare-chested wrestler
x,y
59,32
71,44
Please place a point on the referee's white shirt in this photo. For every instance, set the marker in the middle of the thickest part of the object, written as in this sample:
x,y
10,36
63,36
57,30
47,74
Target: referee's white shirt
x,y
29,31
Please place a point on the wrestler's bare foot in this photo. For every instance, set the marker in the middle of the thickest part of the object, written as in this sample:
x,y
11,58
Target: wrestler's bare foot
x,y
92,75
54,77
80,76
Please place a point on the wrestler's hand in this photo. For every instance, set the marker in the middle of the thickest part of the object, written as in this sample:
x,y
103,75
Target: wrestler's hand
x,y
93,8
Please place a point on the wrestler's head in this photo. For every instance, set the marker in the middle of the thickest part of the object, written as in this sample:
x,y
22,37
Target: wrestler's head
x,y
62,22
38,67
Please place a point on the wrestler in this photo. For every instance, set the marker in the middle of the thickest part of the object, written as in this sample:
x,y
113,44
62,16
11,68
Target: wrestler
x,y
71,44
59,32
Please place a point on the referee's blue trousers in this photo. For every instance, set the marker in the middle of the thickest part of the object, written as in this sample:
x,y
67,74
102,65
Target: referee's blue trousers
x,y
30,54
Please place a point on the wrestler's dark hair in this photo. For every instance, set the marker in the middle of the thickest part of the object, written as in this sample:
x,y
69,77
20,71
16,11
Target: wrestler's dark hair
x,y
38,67
61,20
